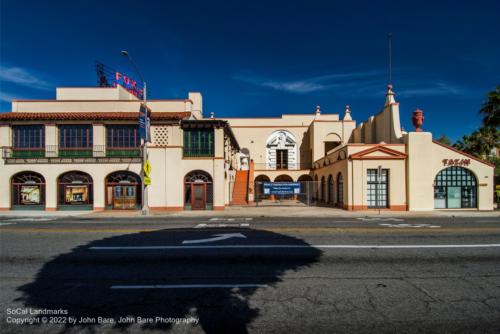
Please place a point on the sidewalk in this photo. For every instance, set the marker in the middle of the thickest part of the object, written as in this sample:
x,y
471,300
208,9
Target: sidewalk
x,y
293,211
263,211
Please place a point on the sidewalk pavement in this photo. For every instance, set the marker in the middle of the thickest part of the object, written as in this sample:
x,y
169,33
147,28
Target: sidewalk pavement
x,y
263,211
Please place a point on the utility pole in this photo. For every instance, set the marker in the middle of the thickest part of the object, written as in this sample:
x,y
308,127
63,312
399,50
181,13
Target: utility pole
x,y
144,141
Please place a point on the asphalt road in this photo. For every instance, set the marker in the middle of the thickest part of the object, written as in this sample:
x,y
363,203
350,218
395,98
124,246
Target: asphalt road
x,y
259,275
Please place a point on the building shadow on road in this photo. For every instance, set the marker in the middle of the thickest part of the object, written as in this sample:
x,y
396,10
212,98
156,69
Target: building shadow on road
x,y
90,282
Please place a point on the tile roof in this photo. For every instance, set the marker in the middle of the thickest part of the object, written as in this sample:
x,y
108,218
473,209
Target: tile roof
x,y
90,116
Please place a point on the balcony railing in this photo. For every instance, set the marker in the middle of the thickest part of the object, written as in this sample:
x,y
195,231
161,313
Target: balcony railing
x,y
74,152
23,153
123,152
282,166
191,152
54,152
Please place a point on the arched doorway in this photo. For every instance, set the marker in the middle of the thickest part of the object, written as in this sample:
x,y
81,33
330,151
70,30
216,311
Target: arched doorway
x,y
340,190
323,186
198,191
28,191
330,189
283,178
75,191
455,188
316,188
306,188
123,191
259,186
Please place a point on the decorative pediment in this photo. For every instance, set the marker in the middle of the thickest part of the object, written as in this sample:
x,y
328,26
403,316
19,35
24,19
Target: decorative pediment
x,y
378,153
281,139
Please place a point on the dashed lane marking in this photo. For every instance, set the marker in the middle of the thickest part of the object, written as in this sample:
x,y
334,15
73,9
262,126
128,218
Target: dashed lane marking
x,y
229,219
30,219
372,219
189,286
221,225
411,225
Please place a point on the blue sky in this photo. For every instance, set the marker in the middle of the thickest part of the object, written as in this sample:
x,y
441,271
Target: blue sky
x,y
265,58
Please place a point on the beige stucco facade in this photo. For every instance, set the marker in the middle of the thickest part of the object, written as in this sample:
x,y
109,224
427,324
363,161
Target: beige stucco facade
x,y
338,156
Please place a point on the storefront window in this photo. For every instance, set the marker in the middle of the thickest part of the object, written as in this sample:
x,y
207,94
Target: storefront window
x,y
28,190
75,190
455,188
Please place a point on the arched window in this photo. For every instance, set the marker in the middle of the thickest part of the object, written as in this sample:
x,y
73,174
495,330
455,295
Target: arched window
x,y
316,188
331,141
330,189
198,191
123,191
28,191
75,191
454,188
323,190
340,190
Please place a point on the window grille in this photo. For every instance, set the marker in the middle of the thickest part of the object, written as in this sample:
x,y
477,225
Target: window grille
x,y
377,192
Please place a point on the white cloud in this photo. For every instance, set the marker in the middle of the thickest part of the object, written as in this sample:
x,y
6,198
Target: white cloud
x,y
312,84
431,89
6,97
23,77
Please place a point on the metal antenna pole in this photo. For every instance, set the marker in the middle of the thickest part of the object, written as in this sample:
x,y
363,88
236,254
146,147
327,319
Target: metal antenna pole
x,y
389,40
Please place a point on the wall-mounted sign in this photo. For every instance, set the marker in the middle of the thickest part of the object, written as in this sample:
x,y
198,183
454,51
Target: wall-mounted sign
x,y
144,123
456,162
109,77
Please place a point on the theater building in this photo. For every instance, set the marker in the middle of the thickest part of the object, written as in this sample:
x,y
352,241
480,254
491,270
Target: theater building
x,y
82,151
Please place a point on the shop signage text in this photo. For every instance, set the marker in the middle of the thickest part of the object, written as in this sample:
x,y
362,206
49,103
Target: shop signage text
x,y
456,162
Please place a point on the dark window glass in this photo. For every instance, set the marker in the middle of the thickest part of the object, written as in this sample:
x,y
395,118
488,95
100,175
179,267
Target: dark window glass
x,y
447,197
75,136
28,136
198,142
122,136
377,188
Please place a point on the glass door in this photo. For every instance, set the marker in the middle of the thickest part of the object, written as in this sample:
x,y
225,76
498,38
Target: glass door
x,y
454,198
124,197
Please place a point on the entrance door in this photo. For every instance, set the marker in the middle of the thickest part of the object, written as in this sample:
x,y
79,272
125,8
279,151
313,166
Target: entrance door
x,y
282,159
454,198
198,197
124,197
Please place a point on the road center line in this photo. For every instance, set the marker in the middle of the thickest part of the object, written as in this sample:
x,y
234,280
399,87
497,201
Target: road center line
x,y
291,246
188,286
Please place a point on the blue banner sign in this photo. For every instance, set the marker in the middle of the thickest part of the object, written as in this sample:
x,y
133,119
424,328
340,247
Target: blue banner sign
x,y
281,188
143,123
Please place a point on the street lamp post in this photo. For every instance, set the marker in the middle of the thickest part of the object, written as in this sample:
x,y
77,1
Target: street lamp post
x,y
144,192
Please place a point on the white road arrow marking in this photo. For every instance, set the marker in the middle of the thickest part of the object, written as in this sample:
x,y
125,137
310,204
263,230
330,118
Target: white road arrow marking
x,y
217,237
